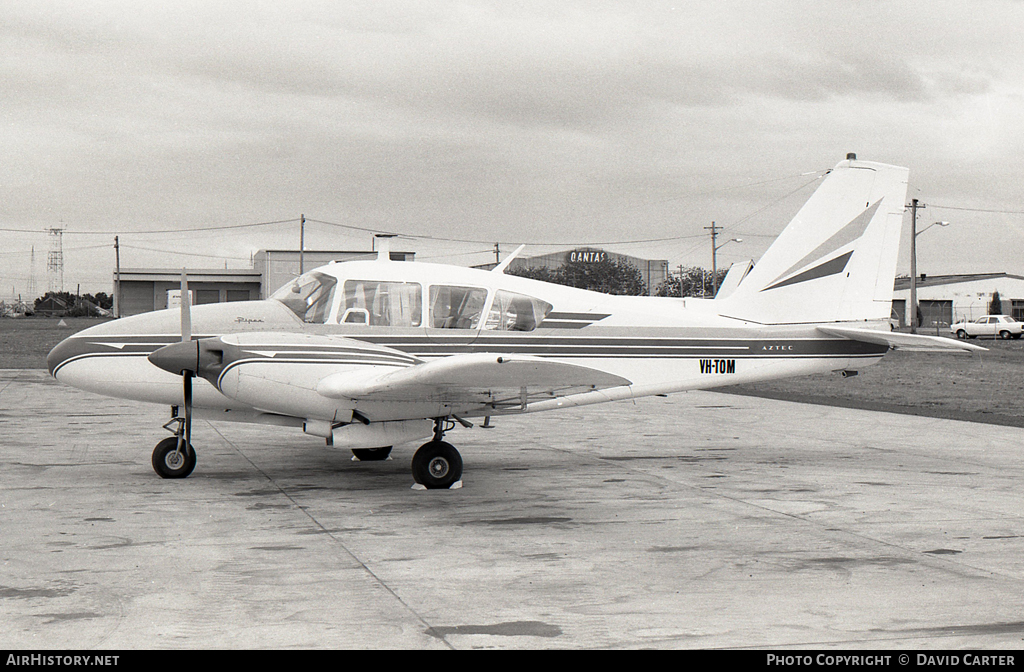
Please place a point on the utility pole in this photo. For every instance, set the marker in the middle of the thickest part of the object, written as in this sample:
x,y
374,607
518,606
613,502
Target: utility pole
x,y
32,275
497,254
302,244
117,279
914,206
714,261
714,254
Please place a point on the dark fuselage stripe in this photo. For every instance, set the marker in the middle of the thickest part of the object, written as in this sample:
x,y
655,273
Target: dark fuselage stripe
x,y
411,348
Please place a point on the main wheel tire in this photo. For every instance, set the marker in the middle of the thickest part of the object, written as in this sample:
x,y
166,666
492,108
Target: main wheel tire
x,y
169,463
437,465
372,454
961,334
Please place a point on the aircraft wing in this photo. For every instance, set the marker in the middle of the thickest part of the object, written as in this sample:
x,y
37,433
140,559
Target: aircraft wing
x,y
488,378
895,339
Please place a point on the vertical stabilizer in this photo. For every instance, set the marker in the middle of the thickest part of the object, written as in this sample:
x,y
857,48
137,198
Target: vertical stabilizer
x,y
836,260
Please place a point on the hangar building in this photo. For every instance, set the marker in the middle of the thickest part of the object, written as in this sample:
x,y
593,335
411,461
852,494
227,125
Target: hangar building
x,y
945,299
654,271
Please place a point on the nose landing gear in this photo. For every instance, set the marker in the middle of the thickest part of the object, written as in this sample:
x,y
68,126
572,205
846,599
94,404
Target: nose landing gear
x,y
174,457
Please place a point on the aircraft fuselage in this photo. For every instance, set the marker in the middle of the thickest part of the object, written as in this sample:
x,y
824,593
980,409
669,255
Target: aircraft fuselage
x,y
658,345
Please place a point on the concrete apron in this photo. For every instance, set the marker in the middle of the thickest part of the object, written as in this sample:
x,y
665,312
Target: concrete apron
x,y
699,520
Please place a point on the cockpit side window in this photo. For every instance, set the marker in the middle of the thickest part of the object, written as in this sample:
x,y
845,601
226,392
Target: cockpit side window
x,y
456,307
382,304
309,296
515,312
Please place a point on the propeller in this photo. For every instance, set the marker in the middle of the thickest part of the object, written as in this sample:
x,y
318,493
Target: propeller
x,y
187,374
189,358
182,359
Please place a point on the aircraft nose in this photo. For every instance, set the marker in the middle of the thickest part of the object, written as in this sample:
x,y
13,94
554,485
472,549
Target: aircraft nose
x,y
62,353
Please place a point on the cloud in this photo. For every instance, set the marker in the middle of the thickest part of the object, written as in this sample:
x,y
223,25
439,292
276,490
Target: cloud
x,y
477,118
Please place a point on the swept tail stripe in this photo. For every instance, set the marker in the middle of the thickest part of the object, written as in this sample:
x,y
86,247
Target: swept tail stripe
x,y
853,230
831,267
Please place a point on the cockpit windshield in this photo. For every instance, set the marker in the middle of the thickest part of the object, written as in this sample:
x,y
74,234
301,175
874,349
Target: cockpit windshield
x,y
516,312
309,296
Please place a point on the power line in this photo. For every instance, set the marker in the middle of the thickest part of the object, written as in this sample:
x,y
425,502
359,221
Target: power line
x,y
188,254
111,232
474,241
953,207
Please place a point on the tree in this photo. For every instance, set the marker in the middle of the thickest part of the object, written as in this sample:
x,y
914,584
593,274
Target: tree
x,y
75,306
65,298
995,307
542,273
692,281
605,275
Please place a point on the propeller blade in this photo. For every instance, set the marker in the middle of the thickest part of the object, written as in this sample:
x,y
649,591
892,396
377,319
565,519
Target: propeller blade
x,y
186,308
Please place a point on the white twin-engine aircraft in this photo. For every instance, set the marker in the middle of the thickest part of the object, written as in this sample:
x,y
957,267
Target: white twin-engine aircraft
x,y
371,354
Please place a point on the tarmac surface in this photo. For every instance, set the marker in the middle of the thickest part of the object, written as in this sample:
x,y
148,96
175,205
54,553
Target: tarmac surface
x,y
700,520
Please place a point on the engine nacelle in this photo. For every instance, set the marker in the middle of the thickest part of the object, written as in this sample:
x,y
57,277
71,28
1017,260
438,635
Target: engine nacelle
x,y
381,434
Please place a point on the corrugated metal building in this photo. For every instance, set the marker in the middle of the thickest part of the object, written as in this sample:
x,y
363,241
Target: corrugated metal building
x,y
146,289
945,299
277,267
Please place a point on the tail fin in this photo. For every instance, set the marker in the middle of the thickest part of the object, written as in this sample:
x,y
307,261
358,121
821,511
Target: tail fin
x,y
836,261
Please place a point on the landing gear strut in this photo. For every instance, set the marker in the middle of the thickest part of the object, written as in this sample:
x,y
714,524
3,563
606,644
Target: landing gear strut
x,y
437,464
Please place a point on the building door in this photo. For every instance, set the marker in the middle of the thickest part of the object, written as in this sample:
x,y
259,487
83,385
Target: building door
x,y
936,313
1017,306
899,312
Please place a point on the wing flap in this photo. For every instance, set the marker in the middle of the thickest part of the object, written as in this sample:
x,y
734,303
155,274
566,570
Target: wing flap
x,y
894,339
470,377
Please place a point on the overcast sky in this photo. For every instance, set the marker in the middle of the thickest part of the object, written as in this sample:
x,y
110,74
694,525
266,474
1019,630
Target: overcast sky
x,y
554,124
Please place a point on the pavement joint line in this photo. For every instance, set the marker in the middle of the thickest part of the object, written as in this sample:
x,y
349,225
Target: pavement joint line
x,y
917,555
331,535
830,528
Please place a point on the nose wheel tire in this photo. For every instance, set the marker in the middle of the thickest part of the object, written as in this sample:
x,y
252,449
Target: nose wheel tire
x,y
169,463
437,465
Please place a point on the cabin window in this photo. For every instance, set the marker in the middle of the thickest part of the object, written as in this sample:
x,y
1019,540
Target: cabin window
x,y
456,307
309,296
382,304
515,312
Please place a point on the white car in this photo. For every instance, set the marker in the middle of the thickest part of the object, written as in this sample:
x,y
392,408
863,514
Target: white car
x,y
1001,326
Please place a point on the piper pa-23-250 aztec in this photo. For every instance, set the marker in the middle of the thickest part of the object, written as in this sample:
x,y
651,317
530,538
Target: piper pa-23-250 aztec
x,y
372,354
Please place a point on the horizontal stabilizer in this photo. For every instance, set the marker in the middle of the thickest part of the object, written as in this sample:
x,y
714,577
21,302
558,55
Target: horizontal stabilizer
x,y
894,339
467,375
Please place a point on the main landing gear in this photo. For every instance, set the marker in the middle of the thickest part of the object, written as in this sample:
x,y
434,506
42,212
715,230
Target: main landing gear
x,y
174,457
436,464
